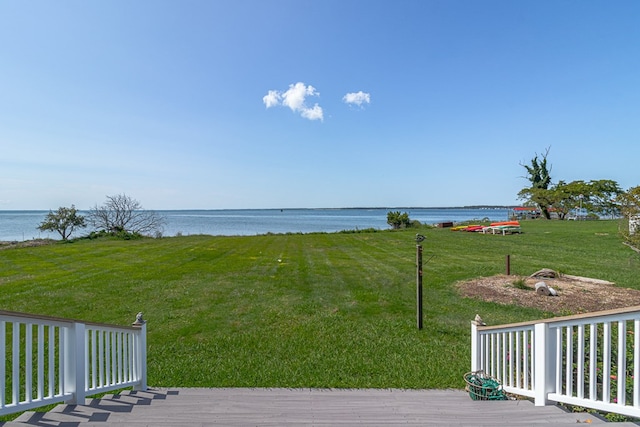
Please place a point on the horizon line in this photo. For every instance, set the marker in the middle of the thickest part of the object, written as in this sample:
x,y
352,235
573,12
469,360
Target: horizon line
x,y
510,206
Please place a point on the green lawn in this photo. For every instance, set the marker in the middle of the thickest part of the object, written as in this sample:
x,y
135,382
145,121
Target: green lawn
x,y
316,310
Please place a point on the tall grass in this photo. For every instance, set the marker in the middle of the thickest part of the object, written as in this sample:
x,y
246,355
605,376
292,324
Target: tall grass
x,y
296,310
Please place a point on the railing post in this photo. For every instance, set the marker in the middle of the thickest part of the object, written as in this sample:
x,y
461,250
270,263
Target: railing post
x,y
475,351
141,353
545,363
74,360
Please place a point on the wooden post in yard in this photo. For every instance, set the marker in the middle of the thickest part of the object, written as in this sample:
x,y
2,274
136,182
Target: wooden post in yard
x,y
419,284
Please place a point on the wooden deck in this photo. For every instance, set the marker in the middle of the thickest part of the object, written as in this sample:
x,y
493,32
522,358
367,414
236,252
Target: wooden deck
x,y
301,407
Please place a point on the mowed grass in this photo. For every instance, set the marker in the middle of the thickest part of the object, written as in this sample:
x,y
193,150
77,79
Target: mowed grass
x,y
316,310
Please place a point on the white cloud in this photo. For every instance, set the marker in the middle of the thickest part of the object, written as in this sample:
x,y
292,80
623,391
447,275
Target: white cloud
x,y
271,99
357,98
313,113
295,98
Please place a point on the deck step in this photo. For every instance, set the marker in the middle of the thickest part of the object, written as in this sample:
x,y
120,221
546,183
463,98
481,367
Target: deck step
x,y
317,407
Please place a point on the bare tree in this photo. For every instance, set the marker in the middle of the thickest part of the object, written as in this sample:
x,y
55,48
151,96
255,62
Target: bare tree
x,y
121,213
539,174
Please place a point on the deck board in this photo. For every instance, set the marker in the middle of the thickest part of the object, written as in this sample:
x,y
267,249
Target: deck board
x,y
304,407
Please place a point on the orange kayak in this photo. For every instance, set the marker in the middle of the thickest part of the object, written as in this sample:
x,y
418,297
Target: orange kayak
x,y
512,223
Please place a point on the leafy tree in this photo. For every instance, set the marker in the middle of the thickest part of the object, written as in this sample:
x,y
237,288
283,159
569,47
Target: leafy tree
x,y
596,196
630,201
122,214
630,209
64,221
398,220
602,197
539,175
562,197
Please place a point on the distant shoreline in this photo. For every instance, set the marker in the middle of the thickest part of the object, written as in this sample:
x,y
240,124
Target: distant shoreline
x,y
488,207
23,225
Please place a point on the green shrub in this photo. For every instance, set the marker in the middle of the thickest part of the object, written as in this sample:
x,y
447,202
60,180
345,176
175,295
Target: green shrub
x,y
120,235
398,220
521,283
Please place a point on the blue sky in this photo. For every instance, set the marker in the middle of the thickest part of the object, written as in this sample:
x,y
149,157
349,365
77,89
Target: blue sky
x,y
204,104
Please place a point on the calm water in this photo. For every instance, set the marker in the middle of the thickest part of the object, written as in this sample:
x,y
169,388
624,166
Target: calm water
x,y
21,225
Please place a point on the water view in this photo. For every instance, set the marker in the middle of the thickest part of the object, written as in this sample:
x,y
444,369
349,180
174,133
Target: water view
x,y
22,225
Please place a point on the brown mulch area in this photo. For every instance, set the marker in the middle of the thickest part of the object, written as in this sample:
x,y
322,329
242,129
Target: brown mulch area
x,y
574,296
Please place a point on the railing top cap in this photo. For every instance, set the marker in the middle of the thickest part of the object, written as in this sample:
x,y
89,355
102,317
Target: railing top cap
x,y
28,316
582,316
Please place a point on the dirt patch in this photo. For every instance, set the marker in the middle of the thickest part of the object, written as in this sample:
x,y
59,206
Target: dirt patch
x,y
574,296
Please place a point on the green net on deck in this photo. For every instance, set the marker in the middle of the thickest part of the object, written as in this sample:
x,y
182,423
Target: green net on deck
x,y
483,387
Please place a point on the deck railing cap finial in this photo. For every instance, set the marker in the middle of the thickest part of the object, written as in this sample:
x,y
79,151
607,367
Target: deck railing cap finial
x,y
139,320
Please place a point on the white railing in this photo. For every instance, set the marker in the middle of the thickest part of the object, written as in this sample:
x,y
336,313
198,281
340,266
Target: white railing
x,y
589,360
49,360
